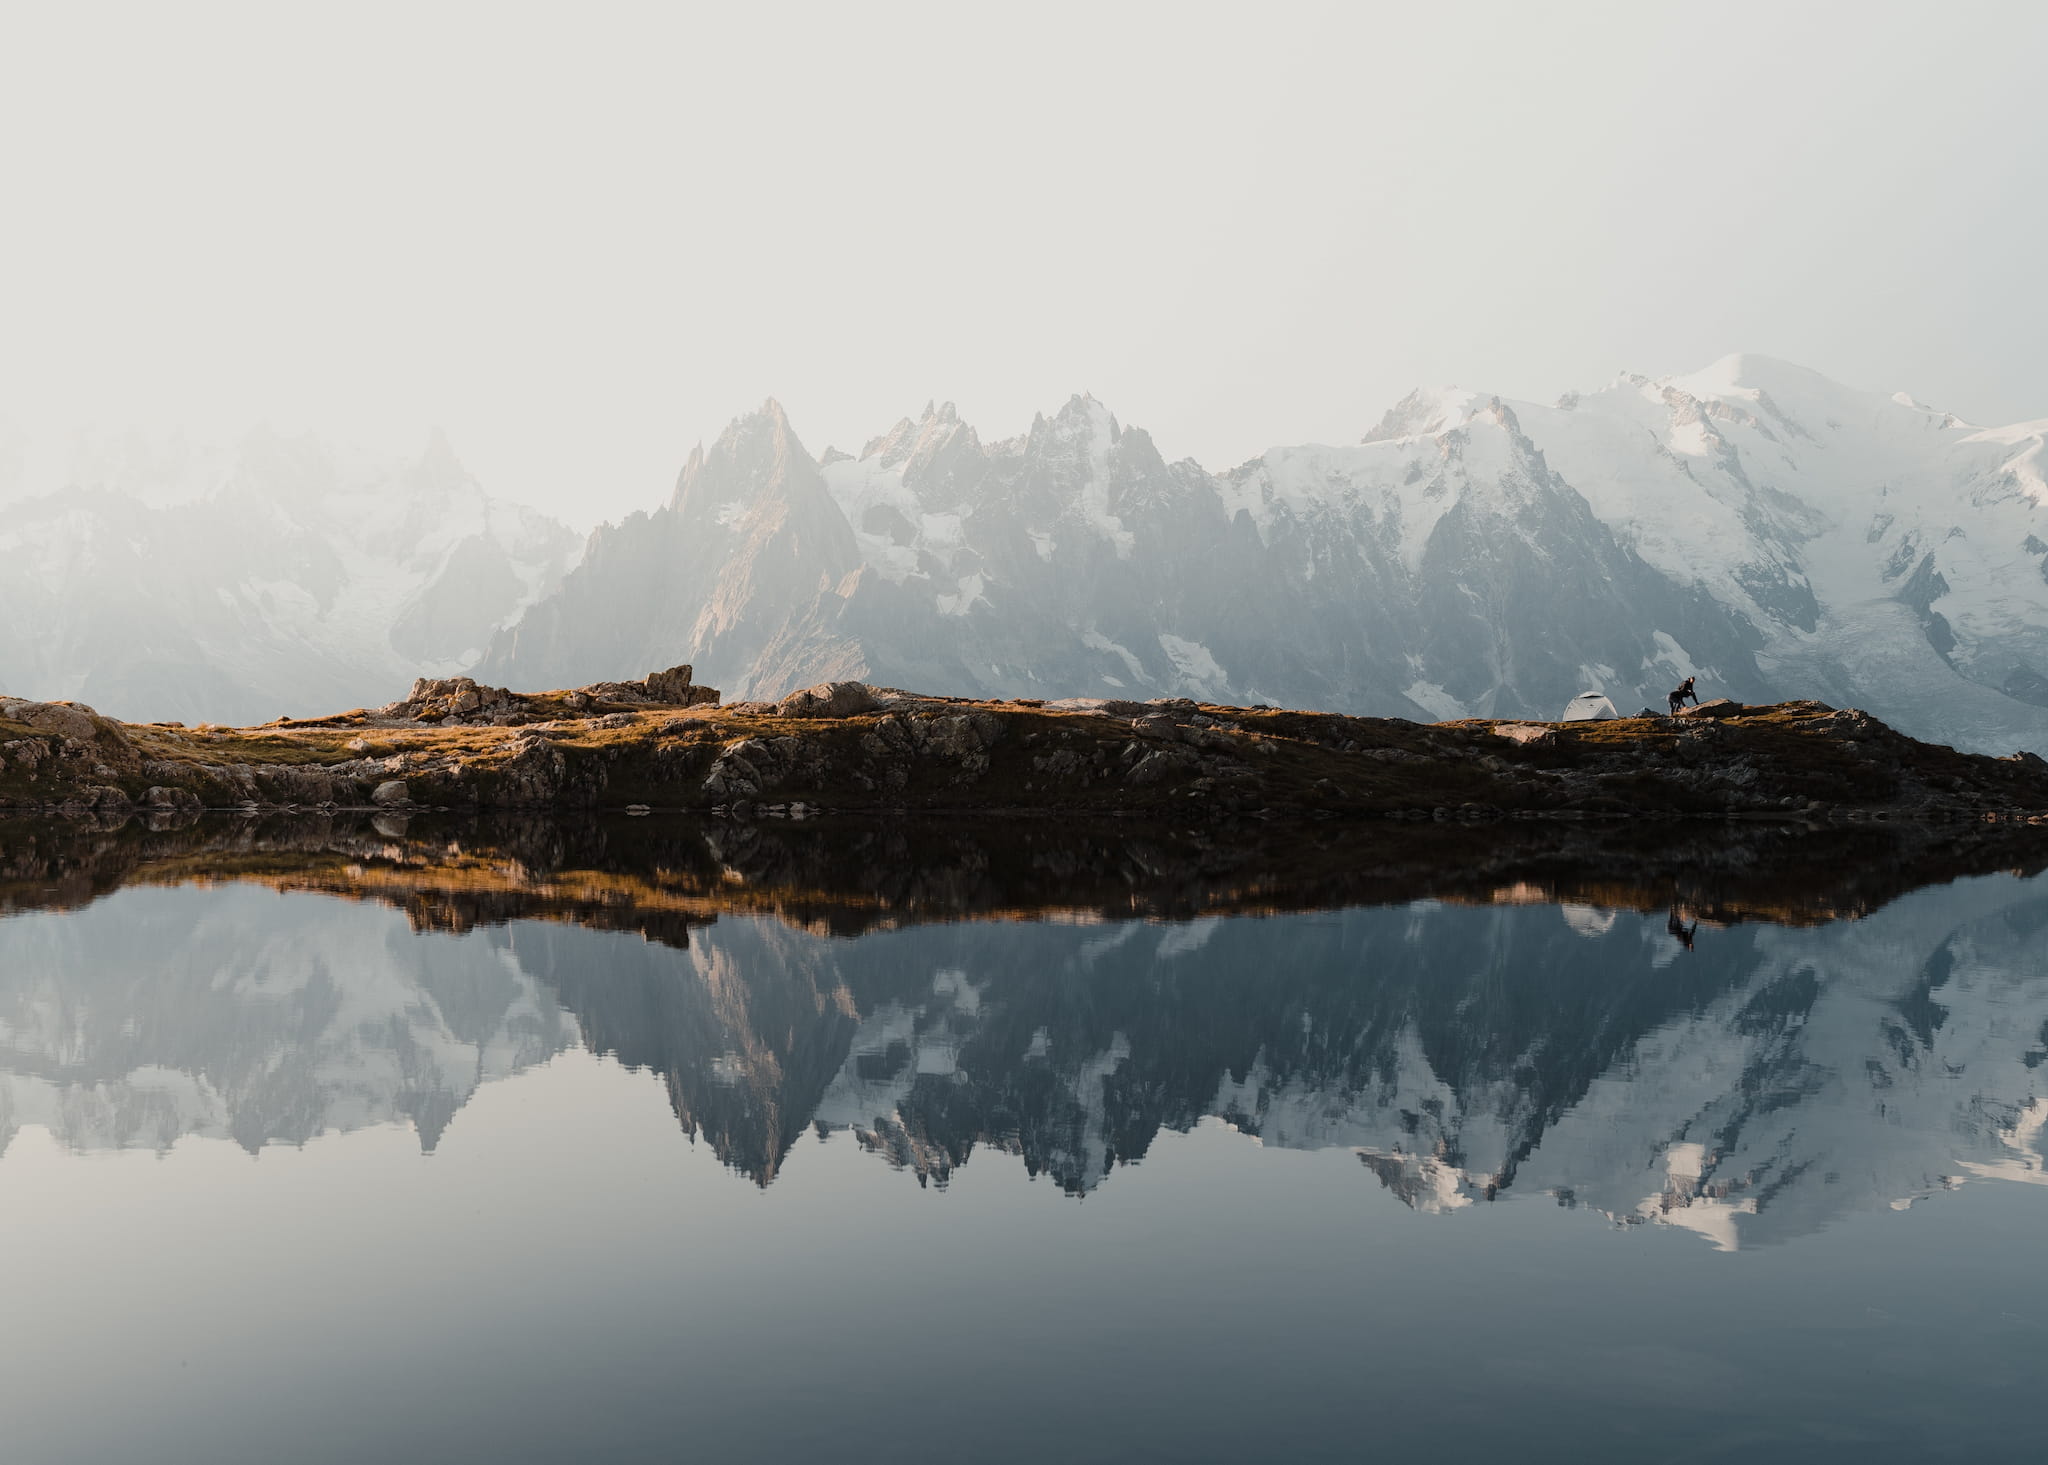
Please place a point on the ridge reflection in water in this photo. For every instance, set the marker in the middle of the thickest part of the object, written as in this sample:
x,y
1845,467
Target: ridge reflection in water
x,y
1752,1034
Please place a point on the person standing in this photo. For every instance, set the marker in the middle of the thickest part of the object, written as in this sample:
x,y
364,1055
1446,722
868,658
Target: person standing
x,y
1677,698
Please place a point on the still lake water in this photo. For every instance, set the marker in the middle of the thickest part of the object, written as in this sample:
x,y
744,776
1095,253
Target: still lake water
x,y
491,1165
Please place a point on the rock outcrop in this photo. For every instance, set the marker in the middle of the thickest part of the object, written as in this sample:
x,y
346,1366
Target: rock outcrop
x,y
445,699
465,702
67,755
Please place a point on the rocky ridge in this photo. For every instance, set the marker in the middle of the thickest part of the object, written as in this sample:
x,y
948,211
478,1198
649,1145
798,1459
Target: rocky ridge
x,y
663,742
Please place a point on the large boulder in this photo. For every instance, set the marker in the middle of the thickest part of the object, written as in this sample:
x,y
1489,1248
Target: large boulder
x,y
672,685
828,699
66,719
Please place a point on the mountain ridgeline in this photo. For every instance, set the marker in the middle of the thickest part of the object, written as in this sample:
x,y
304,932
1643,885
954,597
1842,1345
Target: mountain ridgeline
x,y
1076,560
1756,524
1779,535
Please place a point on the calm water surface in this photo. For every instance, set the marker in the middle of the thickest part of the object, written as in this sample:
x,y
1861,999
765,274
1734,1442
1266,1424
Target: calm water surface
x,y
645,1175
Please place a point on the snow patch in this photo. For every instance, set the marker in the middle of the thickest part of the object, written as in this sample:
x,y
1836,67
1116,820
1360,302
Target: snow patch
x,y
968,595
1434,700
1673,655
1096,641
1199,671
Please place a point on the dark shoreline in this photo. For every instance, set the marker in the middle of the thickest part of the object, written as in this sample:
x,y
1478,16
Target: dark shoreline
x,y
661,875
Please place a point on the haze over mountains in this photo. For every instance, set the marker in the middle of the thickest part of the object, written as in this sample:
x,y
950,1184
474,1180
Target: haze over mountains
x,y
235,583
1755,523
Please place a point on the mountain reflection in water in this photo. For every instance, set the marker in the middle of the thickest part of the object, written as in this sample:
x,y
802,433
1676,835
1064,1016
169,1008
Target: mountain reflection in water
x,y
1746,1032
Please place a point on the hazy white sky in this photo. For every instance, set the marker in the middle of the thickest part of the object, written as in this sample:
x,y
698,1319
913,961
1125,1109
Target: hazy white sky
x,y
583,236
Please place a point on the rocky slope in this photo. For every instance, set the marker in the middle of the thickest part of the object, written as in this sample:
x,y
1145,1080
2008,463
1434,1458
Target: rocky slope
x,y
1773,531
283,575
664,742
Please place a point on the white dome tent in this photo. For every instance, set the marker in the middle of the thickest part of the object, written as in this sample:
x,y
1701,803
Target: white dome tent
x,y
1589,707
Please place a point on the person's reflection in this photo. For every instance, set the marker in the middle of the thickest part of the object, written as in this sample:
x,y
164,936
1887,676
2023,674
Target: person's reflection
x,y
1675,924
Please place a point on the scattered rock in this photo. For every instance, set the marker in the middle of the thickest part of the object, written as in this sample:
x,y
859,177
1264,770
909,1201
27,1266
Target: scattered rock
x,y
390,792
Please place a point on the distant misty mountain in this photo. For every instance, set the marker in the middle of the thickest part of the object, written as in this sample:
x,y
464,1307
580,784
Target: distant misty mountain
x,y
1757,524
280,576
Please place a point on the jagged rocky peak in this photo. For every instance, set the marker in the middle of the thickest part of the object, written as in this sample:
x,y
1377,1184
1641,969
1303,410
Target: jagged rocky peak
x,y
757,453
1425,412
437,469
1076,440
929,452
1083,416
762,436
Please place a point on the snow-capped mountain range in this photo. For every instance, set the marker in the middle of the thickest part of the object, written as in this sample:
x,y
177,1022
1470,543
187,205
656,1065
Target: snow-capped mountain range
x,y
1755,523
158,579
